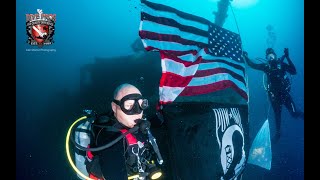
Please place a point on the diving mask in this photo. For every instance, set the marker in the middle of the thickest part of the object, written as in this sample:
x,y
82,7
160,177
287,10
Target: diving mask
x,y
132,104
271,57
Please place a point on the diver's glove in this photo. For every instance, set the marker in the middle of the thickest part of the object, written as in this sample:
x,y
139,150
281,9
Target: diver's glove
x,y
286,52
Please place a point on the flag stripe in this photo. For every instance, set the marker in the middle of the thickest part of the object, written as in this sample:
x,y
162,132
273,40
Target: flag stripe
x,y
175,65
172,56
182,70
201,78
209,72
160,7
152,15
199,81
208,57
178,68
171,25
168,94
168,46
221,64
174,80
162,35
205,89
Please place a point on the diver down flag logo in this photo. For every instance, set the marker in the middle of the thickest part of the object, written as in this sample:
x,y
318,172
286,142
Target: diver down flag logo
x,y
40,28
40,32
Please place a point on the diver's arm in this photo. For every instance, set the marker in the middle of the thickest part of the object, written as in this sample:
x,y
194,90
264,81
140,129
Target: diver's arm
x,y
290,66
282,58
253,65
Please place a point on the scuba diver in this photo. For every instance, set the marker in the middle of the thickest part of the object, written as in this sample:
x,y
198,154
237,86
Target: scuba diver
x,y
106,157
278,84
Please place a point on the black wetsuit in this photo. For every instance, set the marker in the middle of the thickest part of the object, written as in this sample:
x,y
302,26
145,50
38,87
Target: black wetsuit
x,y
278,87
118,161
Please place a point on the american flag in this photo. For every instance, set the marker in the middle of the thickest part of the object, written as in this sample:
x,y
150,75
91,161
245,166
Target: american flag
x,y
201,62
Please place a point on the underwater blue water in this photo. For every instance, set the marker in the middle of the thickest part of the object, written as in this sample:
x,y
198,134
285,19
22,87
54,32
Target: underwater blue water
x,y
48,82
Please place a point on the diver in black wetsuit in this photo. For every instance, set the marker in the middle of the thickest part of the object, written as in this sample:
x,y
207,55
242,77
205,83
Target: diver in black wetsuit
x,y
278,84
134,157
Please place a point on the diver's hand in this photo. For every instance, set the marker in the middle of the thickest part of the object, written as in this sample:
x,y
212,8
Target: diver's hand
x,y
286,52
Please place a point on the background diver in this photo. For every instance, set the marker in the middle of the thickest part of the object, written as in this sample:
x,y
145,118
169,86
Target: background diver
x,y
278,84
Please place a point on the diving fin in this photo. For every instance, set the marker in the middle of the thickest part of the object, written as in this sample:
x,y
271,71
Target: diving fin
x,y
260,153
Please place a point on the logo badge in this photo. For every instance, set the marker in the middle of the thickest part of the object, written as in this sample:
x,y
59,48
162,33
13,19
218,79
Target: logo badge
x,y
40,28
